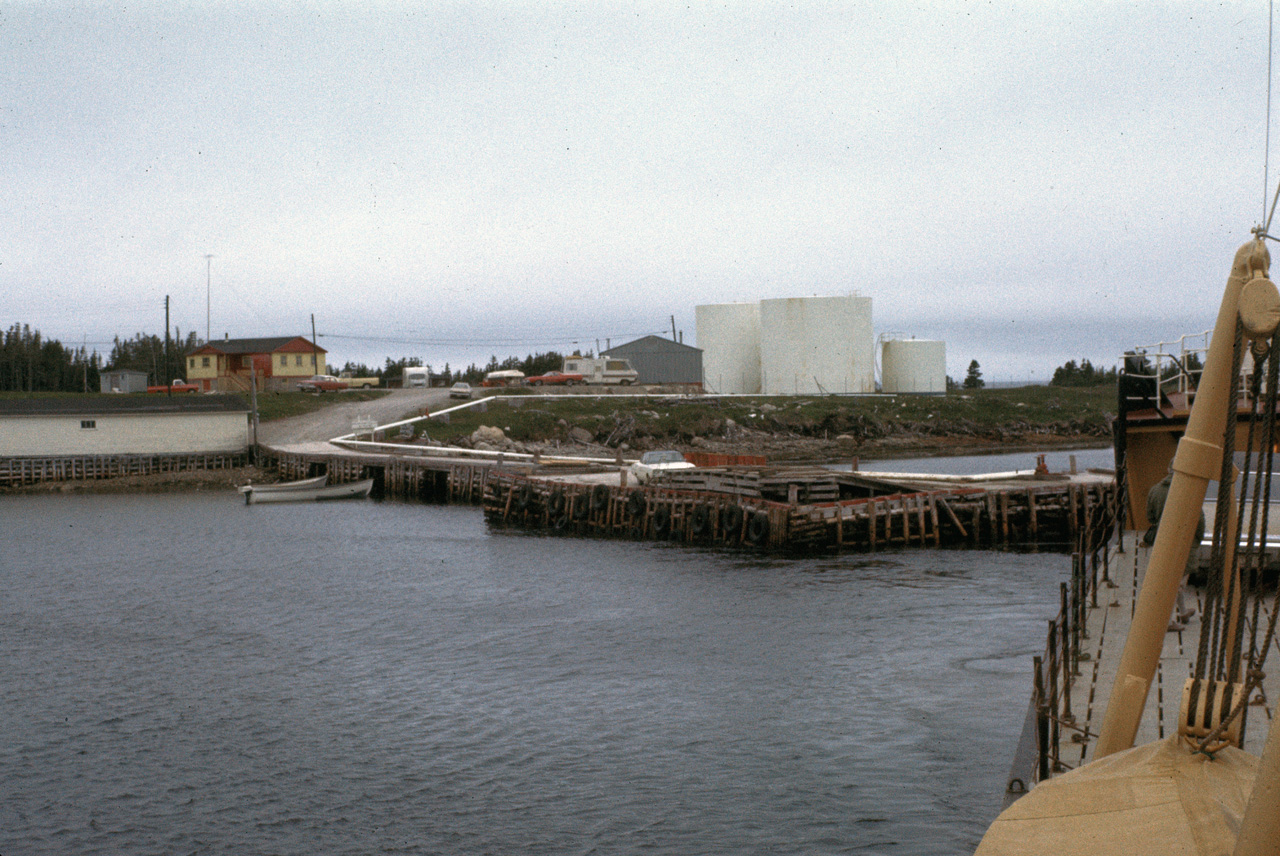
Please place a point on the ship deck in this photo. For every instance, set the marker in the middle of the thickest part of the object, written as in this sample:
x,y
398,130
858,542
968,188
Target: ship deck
x,y
1106,628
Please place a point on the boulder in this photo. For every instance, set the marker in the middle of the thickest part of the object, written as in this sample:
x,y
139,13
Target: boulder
x,y
488,434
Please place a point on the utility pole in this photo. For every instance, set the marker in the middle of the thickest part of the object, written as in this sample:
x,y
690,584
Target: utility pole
x,y
168,359
673,328
315,348
208,278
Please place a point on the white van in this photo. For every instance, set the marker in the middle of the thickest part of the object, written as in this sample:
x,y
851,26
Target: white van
x,y
416,377
601,369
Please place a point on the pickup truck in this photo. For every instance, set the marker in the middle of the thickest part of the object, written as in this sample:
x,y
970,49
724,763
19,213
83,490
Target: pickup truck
x,y
552,378
176,386
354,382
321,383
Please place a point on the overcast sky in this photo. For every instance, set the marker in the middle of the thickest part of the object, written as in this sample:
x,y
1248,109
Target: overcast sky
x,y
1030,183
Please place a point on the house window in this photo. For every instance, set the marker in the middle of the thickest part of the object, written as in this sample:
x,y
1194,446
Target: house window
x,y
191,363
297,361
204,362
88,423
284,361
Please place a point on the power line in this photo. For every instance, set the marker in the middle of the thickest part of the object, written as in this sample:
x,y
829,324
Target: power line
x,y
543,340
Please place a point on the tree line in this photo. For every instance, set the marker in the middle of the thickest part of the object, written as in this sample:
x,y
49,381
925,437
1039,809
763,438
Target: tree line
x,y
1083,374
392,370
31,363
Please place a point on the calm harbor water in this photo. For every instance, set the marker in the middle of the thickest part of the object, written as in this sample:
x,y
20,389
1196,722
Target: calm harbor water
x,y
185,674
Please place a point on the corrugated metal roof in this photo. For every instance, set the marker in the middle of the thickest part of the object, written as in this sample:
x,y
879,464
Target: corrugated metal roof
x,y
108,403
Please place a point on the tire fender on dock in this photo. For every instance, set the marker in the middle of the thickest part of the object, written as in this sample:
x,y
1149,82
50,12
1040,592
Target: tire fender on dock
x,y
555,503
661,521
599,497
700,524
731,521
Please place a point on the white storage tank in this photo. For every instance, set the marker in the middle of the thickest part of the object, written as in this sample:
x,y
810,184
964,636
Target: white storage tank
x,y
729,336
817,345
913,365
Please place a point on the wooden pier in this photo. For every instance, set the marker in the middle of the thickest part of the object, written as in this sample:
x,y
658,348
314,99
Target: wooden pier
x,y
428,479
1051,513
28,471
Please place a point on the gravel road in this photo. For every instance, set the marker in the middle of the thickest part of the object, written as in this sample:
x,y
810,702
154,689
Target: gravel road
x,y
335,420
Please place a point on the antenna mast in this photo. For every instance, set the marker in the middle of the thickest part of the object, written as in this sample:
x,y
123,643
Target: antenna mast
x,y
208,277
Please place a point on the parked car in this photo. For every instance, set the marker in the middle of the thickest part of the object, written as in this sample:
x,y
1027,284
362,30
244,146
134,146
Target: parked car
x,y
354,382
503,377
654,464
178,385
322,383
460,390
552,378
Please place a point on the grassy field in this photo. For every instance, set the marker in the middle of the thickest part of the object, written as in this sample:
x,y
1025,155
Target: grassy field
x,y
613,419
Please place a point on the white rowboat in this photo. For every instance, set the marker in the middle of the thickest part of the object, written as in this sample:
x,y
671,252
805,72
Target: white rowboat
x,y
350,490
305,484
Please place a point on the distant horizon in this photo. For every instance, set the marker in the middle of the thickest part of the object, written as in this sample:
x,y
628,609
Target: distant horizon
x,y
451,181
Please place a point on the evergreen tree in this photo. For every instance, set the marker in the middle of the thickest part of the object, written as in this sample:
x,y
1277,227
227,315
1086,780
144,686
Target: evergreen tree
x,y
31,363
973,380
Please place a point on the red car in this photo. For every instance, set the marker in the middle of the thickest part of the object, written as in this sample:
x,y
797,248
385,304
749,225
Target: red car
x,y
551,378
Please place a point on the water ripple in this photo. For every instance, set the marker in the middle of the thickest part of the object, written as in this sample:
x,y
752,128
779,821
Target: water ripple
x,y
399,679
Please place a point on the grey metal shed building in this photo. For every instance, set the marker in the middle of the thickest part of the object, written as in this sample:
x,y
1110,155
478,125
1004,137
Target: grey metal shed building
x,y
123,380
660,360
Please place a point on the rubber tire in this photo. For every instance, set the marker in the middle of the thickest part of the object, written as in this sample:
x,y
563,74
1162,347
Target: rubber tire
x,y
599,498
635,504
662,521
731,521
523,497
700,523
556,503
758,528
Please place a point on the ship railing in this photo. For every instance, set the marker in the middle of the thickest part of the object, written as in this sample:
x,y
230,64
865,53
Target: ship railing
x,y
1175,367
1059,665
1170,366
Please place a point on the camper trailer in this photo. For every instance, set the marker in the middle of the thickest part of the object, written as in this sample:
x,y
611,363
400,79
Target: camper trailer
x,y
416,377
601,369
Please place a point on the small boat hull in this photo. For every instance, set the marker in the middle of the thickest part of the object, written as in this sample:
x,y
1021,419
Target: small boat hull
x,y
315,493
304,484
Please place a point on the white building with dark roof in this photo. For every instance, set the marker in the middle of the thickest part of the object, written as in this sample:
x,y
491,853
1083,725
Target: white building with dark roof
x,y
123,425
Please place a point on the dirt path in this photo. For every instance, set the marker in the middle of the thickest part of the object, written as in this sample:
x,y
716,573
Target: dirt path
x,y
336,420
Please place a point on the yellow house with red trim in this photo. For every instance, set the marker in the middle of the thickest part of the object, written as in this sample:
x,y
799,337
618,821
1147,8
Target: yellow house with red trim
x,y
279,363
